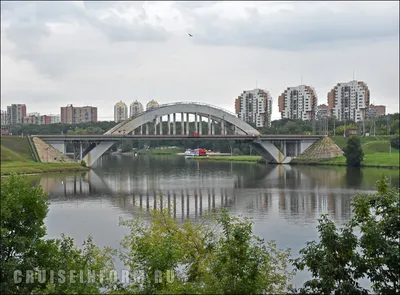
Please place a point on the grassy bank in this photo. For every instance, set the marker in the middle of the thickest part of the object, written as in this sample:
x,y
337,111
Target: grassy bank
x,y
377,153
160,152
16,157
246,159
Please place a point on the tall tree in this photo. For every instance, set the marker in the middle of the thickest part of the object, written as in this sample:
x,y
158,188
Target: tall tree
x,y
353,151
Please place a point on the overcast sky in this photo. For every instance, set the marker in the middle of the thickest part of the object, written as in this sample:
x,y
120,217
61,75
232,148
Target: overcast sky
x,y
97,53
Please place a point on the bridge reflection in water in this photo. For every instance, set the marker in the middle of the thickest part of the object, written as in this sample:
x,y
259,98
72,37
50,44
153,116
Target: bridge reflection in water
x,y
295,194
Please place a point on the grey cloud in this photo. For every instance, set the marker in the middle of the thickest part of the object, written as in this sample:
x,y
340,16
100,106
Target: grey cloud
x,y
294,31
27,26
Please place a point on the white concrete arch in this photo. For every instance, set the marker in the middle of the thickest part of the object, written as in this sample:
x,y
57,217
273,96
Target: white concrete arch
x,y
204,110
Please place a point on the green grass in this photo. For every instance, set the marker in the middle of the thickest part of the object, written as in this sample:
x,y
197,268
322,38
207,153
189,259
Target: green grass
x,y
248,159
159,152
34,167
341,141
14,148
370,160
16,157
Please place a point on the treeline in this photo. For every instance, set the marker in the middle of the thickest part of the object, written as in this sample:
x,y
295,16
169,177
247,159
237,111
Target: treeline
x,y
383,125
218,256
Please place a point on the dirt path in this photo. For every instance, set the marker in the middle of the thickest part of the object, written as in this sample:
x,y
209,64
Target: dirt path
x,y
49,154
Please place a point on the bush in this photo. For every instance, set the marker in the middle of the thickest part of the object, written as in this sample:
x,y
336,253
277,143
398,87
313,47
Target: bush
x,y
83,163
236,152
395,141
353,152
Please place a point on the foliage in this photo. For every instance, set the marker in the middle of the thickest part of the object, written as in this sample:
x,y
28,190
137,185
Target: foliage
x,y
23,247
395,141
83,163
340,259
353,152
236,152
220,257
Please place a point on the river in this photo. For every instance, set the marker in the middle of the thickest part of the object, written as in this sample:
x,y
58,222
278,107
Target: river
x,y
284,201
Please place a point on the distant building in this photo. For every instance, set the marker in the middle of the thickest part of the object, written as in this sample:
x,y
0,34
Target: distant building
x,y
32,118
16,113
322,112
135,108
75,115
349,101
376,111
4,118
54,119
152,105
255,107
120,112
298,103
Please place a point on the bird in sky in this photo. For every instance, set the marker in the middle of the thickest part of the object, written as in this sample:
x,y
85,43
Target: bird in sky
x,y
190,35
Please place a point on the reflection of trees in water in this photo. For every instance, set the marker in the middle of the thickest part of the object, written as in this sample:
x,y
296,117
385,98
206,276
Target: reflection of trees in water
x,y
354,177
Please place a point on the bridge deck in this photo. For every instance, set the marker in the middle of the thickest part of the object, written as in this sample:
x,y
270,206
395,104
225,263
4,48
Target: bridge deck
x,y
175,137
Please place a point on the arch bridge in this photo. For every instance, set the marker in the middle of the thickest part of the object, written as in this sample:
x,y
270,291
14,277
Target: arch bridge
x,y
149,125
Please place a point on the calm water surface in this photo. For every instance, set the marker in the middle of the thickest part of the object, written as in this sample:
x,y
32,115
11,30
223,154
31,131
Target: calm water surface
x,y
285,202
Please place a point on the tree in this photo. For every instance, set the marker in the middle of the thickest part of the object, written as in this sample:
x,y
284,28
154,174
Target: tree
x,y
23,247
217,256
353,152
340,259
395,141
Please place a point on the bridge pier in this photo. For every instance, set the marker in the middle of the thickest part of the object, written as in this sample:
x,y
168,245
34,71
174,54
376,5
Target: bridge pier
x,y
182,124
201,125
174,124
169,125
187,123
161,125
222,127
195,122
97,152
209,125
80,151
141,129
155,126
147,128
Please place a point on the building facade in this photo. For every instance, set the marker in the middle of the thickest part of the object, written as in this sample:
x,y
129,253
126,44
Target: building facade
x,y
322,112
135,108
75,115
375,111
255,107
349,101
37,119
120,112
4,118
298,103
16,113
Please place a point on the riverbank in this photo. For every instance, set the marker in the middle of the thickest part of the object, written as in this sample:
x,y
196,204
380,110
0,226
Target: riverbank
x,y
34,167
16,157
382,160
245,159
159,152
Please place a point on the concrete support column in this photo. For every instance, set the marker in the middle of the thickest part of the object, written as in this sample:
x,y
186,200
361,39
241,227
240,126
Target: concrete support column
x,y
141,129
161,125
182,124
201,124
147,128
80,151
187,123
174,123
234,129
209,124
212,127
222,127
284,149
169,125
195,122
155,126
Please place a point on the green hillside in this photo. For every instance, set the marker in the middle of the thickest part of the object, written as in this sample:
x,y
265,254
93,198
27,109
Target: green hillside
x,y
15,149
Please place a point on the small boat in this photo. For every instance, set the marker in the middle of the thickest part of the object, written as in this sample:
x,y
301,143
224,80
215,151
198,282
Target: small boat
x,y
190,153
196,152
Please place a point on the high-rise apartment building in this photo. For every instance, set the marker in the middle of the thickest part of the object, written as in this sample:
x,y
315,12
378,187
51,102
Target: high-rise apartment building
x,y
298,103
4,118
120,112
152,104
135,108
16,113
75,115
37,119
255,107
322,112
349,101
